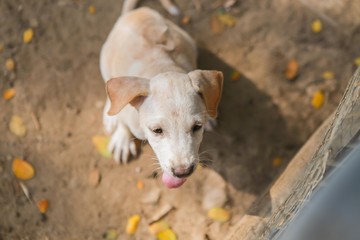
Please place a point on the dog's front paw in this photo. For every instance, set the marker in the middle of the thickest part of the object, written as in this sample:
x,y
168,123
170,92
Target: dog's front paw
x,y
210,124
122,144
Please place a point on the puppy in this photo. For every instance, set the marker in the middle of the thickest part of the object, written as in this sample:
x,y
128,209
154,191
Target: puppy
x,y
155,93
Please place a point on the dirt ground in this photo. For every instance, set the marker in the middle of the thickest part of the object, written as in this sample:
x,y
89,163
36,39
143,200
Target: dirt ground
x,y
262,116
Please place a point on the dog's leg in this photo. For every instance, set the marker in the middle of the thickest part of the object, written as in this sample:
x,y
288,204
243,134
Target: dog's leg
x,y
122,144
109,122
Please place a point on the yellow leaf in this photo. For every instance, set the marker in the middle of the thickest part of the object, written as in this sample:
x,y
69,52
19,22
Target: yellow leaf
x,y
227,19
9,93
292,69
28,35
219,214
235,75
276,162
10,64
328,75
101,143
22,169
316,26
139,184
158,227
43,205
92,9
17,126
132,224
167,234
357,61
318,99
110,234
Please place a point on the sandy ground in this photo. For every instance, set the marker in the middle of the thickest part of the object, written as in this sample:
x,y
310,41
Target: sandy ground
x,y
262,115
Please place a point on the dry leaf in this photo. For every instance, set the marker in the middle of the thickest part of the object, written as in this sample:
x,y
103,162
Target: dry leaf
x,y
235,75
94,178
139,184
17,126
110,234
158,227
25,191
28,35
161,212
22,169
43,205
227,19
219,214
1,47
167,234
292,69
318,99
276,162
328,75
92,9
215,25
357,61
316,26
132,224
101,143
185,20
10,64
9,93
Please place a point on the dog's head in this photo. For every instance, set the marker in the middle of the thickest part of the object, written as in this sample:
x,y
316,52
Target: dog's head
x,y
173,110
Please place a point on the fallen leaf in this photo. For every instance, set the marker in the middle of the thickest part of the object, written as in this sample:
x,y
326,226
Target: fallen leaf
x,y
276,162
152,196
328,75
185,20
22,169
94,178
139,184
92,9
25,191
28,35
215,25
316,26
110,234
227,19
292,69
161,212
219,214
167,234
101,143
9,93
10,64
17,126
235,75
318,99
158,227
357,61
132,224
43,205
1,47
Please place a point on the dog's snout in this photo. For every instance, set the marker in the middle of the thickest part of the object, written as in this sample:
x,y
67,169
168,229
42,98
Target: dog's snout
x,y
183,171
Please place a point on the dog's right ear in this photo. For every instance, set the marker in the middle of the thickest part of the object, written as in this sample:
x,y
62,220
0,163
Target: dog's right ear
x,y
125,90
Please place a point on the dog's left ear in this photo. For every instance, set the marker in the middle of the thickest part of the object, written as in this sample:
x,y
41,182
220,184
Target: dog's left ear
x,y
125,90
209,85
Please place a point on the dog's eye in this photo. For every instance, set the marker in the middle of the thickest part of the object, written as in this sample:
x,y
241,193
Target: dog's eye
x,y
157,131
196,127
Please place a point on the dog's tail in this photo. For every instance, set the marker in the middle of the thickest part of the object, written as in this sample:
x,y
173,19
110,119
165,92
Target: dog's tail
x,y
167,4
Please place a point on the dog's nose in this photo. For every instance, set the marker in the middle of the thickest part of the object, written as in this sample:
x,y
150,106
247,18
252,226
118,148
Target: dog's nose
x,y
183,171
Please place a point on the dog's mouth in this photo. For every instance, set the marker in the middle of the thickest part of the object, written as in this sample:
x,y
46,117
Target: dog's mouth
x,y
171,181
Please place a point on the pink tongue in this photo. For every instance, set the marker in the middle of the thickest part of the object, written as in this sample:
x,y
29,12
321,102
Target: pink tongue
x,y
172,182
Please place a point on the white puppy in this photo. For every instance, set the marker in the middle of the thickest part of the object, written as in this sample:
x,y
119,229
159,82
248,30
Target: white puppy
x,y
155,94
